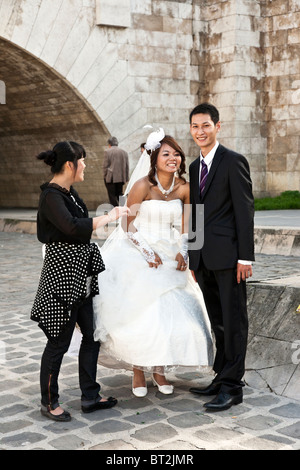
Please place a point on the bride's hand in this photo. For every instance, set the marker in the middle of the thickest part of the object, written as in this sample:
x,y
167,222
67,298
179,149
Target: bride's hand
x,y
118,212
181,264
156,263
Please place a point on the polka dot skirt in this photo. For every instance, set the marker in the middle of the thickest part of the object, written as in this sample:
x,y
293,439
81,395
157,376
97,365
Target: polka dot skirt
x,y
63,284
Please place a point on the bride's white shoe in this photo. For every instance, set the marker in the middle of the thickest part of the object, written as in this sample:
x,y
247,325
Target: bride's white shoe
x,y
165,389
139,391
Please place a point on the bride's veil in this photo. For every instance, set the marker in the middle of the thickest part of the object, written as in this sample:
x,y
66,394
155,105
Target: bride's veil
x,y
142,169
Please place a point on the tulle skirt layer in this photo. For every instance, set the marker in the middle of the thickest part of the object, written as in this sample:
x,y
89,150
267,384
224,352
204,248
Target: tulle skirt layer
x,y
151,319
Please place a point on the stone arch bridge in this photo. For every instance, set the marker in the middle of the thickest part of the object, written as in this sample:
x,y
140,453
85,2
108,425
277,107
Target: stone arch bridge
x,y
87,69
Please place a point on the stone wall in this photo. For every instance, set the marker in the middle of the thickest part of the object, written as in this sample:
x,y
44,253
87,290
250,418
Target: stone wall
x,y
42,109
273,355
282,93
151,63
232,70
129,77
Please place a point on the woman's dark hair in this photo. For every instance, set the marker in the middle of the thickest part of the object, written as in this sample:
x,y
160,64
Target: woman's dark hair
x,y
61,153
153,158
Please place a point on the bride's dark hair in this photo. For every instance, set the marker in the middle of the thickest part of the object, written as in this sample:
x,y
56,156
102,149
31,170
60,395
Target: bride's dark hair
x,y
153,158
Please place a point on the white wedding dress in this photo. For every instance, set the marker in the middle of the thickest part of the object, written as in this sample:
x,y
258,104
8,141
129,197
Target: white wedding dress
x,y
152,319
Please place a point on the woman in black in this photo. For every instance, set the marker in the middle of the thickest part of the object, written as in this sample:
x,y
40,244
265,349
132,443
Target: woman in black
x,y
69,279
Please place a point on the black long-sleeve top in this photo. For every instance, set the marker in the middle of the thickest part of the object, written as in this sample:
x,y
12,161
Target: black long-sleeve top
x,y
62,216
70,259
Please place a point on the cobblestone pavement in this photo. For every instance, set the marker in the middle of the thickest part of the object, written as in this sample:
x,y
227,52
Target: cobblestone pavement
x,y
264,421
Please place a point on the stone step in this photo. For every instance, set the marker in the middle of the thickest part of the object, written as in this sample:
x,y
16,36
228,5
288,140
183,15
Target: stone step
x,y
268,240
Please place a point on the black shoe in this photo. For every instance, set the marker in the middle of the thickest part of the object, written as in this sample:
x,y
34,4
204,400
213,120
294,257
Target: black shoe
x,y
224,401
63,417
212,389
100,405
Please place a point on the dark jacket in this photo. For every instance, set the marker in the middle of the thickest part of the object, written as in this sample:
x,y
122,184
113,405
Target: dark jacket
x,y
228,212
71,264
62,216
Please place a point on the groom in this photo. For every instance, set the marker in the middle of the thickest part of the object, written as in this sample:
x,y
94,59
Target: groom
x,y
220,180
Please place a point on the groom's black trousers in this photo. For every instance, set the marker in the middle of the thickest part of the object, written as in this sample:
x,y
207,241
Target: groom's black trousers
x,y
226,303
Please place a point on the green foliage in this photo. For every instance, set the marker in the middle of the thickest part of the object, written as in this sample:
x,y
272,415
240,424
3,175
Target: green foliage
x,y
286,200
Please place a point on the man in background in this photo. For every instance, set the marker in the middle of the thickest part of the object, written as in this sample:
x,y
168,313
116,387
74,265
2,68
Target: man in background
x,y
115,170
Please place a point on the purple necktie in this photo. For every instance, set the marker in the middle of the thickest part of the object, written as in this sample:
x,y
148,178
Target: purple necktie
x,y
203,176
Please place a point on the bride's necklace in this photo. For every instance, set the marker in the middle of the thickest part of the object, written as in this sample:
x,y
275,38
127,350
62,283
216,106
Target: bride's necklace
x,y
165,192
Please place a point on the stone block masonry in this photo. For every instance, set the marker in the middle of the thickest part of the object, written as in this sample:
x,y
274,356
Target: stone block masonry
x,y
150,62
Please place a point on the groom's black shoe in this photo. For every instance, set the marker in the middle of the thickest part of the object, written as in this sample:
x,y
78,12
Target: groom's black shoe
x,y
212,389
224,400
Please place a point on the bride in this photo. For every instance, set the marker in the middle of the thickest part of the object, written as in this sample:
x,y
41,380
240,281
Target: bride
x,y
150,315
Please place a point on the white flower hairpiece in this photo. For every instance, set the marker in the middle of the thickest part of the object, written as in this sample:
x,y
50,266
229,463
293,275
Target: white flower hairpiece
x,y
154,139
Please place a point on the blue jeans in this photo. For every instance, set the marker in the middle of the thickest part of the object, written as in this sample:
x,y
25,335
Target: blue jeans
x,y
88,356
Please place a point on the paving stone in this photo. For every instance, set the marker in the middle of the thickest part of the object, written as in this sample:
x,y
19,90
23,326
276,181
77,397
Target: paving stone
x,y
183,405
61,428
155,433
178,445
292,431
14,426
33,367
114,445
116,381
259,422
156,422
261,444
292,410
23,439
7,399
265,400
277,438
110,426
8,385
134,404
13,410
69,441
147,417
218,434
190,420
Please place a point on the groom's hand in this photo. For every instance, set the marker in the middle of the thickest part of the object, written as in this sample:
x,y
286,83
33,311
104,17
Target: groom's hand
x,y
243,272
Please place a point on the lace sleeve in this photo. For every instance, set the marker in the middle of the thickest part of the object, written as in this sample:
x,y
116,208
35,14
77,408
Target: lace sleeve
x,y
184,247
142,246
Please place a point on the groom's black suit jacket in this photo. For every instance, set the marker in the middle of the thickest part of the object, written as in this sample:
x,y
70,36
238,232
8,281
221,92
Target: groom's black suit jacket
x,y
228,212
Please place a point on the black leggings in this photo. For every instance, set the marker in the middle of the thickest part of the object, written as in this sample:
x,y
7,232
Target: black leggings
x,y
88,356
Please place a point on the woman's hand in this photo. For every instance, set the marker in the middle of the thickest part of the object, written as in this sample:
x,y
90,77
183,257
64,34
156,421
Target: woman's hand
x,y
156,262
112,215
118,212
181,264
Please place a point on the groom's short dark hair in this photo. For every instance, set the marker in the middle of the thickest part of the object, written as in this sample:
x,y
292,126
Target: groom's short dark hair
x,y
206,108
